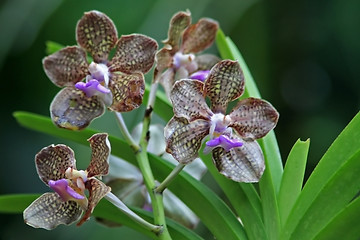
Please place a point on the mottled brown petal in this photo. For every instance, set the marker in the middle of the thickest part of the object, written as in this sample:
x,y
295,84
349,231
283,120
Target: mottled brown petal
x,y
183,138
188,101
164,59
100,147
97,190
241,164
134,53
71,109
206,61
224,84
199,36
49,211
253,118
66,66
167,80
52,162
178,23
97,34
127,90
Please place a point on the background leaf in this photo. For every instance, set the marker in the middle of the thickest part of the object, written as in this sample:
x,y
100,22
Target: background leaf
x,y
330,187
105,210
270,181
292,181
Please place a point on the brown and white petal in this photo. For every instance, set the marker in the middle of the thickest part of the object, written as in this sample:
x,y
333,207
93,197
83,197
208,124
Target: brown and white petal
x,y
72,109
188,100
134,53
97,190
49,211
100,152
97,34
164,59
224,84
183,138
66,66
206,61
53,161
241,164
128,91
197,37
178,23
253,118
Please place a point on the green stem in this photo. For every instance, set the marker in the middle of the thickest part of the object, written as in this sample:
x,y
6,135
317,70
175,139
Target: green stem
x,y
120,205
169,178
125,132
144,165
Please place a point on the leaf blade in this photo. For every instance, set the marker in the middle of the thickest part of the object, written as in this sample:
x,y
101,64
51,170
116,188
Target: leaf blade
x,y
292,181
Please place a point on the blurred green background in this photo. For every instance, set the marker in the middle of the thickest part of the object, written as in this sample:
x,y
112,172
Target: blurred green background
x,y
304,56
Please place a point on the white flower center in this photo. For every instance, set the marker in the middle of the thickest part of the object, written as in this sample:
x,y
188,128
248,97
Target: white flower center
x,y
186,61
99,72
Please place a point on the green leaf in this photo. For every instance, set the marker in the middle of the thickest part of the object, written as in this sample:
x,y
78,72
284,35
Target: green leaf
x,y
331,186
270,181
52,47
244,199
18,202
212,211
292,181
343,226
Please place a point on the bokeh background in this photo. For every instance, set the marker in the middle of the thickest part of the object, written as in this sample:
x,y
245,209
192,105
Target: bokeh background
x,y
303,54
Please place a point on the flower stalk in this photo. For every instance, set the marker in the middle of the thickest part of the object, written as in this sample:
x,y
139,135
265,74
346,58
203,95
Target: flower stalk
x,y
119,204
144,165
125,132
169,178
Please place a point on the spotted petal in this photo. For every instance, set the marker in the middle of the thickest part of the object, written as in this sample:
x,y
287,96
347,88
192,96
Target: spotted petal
x,y
127,90
49,211
52,162
72,109
97,34
66,66
206,61
199,36
188,101
178,23
225,83
97,190
164,59
183,138
134,53
100,147
253,118
241,164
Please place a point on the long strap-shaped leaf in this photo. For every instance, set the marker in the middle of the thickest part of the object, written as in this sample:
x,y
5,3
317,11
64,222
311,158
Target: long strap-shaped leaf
x,y
205,203
270,182
18,202
331,186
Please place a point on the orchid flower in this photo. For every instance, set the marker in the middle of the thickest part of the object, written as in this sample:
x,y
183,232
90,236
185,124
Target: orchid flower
x,y
117,84
56,167
231,137
178,59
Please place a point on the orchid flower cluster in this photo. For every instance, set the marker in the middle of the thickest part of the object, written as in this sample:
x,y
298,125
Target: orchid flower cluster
x,y
191,80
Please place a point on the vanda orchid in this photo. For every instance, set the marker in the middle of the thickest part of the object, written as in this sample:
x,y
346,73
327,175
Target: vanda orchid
x,y
179,57
117,83
56,167
232,136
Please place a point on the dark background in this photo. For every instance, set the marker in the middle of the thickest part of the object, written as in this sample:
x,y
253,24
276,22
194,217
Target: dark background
x,y
304,56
